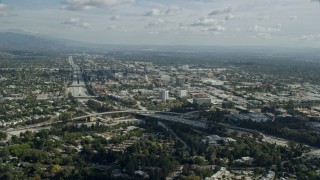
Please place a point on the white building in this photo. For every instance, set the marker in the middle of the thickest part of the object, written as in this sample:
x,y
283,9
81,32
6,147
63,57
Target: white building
x,y
213,82
165,78
182,93
164,95
118,75
185,67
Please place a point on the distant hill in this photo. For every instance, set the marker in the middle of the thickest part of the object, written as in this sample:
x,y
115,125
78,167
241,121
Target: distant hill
x,y
19,40
25,42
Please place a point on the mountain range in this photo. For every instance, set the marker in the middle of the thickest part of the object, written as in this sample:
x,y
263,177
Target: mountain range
x,y
18,40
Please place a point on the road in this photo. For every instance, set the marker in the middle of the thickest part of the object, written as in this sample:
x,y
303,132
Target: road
x,y
78,86
178,120
274,140
152,114
141,107
174,134
18,131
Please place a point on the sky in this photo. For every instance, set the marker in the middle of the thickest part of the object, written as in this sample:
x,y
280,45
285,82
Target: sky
x,y
287,23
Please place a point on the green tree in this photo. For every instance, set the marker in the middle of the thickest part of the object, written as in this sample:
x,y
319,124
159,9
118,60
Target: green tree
x,y
65,117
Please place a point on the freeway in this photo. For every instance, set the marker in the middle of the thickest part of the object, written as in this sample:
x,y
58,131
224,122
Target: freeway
x,y
152,114
108,113
133,111
18,131
174,134
178,120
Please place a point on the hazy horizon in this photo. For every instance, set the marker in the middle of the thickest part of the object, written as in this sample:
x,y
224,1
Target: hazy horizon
x,y
289,23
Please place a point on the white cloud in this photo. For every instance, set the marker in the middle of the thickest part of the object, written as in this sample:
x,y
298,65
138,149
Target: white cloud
x,y
263,18
116,18
112,27
229,17
206,21
76,5
156,23
154,32
262,35
75,21
153,12
293,17
3,7
168,12
217,28
173,11
4,10
220,11
237,29
260,29
310,38
207,24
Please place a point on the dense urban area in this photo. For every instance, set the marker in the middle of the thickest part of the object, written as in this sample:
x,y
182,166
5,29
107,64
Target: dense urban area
x,y
158,115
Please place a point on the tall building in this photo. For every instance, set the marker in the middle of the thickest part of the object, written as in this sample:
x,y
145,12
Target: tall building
x,y
146,79
164,95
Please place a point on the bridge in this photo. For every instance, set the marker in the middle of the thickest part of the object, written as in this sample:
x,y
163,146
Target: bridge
x,y
109,113
77,85
160,115
85,97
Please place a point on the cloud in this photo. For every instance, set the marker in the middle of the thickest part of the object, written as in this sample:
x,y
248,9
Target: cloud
x,y
3,7
173,11
293,17
237,29
310,38
217,28
4,10
157,23
263,18
154,32
206,21
76,5
116,18
262,35
260,29
112,27
229,17
153,12
207,24
220,11
75,21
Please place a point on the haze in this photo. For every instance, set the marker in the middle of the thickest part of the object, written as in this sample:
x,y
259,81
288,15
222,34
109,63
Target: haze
x,y
287,23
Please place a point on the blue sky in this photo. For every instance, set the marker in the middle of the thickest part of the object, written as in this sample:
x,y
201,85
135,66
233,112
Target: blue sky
x,y
174,22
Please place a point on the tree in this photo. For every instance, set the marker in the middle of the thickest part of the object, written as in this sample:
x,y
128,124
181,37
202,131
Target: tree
x,y
199,160
65,117
3,135
56,169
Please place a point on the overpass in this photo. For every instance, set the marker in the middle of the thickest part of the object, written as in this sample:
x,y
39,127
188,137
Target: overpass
x,y
160,115
111,112
77,85
178,120
85,97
